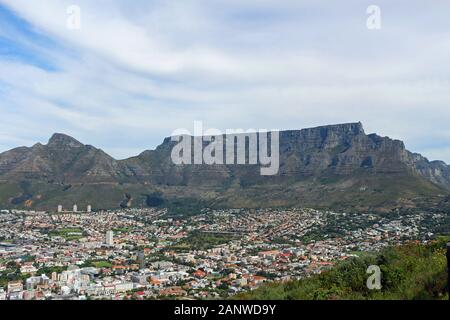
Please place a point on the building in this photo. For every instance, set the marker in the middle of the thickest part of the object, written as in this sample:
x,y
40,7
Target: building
x,y
15,286
75,208
140,278
28,268
141,259
109,238
124,287
60,208
2,294
199,274
33,282
89,209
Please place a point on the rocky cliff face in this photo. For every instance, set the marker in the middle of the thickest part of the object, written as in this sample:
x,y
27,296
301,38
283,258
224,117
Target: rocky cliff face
x,y
318,162
336,149
339,149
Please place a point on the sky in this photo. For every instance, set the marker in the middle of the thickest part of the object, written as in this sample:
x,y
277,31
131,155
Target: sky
x,y
135,71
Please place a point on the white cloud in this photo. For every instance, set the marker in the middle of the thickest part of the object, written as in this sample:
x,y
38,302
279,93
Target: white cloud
x,y
138,70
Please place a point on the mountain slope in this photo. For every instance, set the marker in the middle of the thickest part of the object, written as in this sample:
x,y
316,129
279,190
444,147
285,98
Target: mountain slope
x,y
329,166
62,160
408,272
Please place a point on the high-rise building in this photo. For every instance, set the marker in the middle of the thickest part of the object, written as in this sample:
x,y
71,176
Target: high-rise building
x,y
141,259
60,208
89,209
75,208
109,238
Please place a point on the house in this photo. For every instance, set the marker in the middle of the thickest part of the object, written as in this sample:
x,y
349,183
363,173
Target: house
x,y
259,279
199,274
173,291
14,286
28,268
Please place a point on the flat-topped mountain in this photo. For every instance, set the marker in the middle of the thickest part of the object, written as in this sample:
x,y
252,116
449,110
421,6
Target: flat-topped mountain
x,y
329,166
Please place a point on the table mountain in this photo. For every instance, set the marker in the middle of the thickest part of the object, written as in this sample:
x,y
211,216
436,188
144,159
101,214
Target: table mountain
x,y
337,166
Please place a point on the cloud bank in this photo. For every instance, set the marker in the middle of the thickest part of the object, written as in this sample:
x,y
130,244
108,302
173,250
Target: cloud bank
x,y
138,70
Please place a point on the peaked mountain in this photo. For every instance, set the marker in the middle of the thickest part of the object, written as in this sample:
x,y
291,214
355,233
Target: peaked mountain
x,y
62,160
337,166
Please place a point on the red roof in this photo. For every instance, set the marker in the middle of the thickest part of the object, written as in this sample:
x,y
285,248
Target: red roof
x,y
199,274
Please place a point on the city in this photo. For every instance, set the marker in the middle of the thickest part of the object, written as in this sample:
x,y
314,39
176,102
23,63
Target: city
x,y
150,254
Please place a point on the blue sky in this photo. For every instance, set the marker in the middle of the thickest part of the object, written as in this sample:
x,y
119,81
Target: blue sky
x,y
138,70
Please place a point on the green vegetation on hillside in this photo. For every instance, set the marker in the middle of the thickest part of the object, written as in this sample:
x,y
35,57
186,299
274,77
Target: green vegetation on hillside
x,y
68,233
97,264
102,264
411,271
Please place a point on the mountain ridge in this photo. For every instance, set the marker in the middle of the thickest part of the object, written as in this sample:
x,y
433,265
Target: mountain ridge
x,y
332,165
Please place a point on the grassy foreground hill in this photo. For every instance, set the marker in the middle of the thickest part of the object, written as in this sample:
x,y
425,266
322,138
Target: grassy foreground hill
x,y
408,272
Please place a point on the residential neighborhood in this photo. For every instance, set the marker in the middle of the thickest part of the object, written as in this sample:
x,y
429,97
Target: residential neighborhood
x,y
149,254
